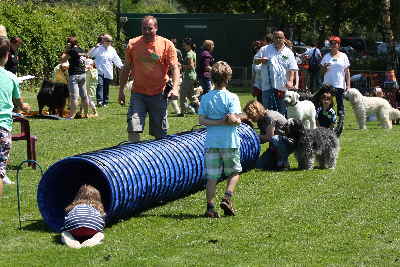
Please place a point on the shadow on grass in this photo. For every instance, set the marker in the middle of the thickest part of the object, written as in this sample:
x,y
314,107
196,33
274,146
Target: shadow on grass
x,y
57,239
12,167
36,226
181,216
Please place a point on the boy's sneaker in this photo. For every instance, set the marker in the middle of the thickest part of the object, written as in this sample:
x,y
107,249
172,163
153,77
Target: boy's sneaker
x,y
226,205
211,214
7,180
191,110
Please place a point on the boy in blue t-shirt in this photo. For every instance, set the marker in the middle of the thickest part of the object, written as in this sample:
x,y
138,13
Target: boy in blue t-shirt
x,y
9,92
219,111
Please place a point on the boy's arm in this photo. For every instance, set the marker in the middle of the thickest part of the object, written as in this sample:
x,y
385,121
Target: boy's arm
x,y
233,119
207,122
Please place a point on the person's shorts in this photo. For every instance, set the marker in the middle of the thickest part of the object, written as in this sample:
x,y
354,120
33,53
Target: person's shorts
x,y
77,86
156,106
222,161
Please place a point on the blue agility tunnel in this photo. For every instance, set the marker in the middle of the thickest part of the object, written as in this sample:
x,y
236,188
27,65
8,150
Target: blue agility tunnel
x,y
135,177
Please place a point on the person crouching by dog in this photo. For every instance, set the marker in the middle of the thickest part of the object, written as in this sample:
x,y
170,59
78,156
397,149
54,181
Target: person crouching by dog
x,y
9,95
76,84
326,115
84,220
219,110
272,125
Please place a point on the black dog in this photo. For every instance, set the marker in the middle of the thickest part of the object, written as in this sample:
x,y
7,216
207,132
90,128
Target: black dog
x,y
53,95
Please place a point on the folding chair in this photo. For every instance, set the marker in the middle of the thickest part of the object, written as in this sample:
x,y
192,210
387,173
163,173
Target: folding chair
x,y
25,134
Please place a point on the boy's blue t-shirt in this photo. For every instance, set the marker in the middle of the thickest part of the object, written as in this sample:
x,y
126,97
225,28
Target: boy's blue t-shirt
x,y
9,89
215,105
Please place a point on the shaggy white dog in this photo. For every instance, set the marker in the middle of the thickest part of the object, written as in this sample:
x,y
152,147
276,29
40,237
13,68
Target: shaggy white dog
x,y
363,105
300,110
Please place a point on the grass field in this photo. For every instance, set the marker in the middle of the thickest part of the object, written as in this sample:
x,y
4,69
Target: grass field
x,y
343,217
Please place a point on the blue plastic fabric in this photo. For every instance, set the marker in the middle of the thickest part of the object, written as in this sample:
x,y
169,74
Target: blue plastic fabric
x,y
135,177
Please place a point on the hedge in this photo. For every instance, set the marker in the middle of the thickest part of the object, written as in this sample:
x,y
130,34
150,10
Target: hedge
x,y
44,29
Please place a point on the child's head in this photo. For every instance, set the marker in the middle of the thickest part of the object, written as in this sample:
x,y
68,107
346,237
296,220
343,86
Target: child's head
x,y
221,74
87,194
327,100
254,110
89,63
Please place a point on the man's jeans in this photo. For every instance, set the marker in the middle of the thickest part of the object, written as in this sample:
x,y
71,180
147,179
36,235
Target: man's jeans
x,y
272,102
102,90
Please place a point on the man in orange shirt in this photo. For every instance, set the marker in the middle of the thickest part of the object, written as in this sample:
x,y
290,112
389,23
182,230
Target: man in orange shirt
x,y
147,59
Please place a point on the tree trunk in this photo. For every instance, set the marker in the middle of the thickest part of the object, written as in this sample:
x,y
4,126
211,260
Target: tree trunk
x,y
388,35
395,19
337,17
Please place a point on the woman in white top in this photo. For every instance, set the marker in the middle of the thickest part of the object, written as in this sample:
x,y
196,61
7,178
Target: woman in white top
x,y
335,66
105,57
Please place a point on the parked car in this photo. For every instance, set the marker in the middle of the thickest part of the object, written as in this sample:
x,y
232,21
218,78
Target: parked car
x,y
299,43
382,48
359,44
300,49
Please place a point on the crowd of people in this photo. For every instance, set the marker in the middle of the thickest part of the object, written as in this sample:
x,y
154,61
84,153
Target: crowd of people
x,y
160,76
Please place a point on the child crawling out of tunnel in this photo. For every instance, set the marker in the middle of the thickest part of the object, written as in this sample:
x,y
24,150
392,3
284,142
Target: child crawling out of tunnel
x,y
84,220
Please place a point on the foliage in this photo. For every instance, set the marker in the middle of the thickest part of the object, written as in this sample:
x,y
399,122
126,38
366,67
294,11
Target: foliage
x,y
344,17
44,28
149,6
343,217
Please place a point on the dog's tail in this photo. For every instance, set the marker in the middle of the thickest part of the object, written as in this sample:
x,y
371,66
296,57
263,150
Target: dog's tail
x,y
394,114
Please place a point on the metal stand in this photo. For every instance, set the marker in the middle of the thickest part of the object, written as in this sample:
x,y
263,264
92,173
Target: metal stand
x,y
18,193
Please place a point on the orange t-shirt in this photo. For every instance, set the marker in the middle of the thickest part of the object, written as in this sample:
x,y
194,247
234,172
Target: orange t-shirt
x,y
150,62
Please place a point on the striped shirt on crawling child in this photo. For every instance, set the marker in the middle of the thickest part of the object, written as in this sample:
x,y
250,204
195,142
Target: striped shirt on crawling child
x,y
84,215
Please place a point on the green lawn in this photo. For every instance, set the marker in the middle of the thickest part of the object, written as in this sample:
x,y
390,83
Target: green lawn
x,y
348,216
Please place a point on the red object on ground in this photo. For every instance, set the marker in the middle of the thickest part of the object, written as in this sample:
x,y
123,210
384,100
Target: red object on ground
x,y
25,134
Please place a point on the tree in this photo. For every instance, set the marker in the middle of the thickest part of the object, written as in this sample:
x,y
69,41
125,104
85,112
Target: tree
x,y
388,34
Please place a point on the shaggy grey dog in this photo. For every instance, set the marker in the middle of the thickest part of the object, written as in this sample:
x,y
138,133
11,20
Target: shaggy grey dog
x,y
319,144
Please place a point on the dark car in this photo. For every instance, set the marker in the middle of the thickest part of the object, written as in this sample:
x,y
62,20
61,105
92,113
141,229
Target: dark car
x,y
359,44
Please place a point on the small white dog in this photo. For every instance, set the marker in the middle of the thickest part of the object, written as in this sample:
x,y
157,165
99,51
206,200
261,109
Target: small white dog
x,y
363,105
300,110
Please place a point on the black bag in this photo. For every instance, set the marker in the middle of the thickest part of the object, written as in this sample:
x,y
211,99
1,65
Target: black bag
x,y
314,62
168,88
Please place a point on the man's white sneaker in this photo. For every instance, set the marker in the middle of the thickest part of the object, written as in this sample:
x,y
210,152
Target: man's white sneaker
x,y
7,180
